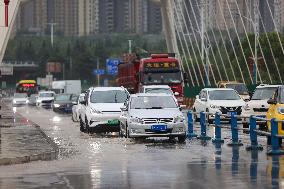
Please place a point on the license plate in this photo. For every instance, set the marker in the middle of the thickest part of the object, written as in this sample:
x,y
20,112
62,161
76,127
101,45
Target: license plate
x,y
159,127
113,122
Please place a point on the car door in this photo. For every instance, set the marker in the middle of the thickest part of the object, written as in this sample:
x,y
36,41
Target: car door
x,y
124,116
84,106
272,107
200,103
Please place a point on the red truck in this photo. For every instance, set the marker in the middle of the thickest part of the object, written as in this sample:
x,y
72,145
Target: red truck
x,y
158,69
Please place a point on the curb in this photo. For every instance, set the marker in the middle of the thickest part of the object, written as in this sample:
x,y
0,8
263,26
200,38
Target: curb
x,y
45,156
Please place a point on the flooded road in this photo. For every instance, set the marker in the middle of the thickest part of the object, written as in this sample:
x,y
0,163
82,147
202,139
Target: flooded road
x,y
107,161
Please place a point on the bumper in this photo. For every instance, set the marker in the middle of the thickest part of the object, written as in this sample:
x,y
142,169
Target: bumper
x,y
145,130
63,110
248,114
105,123
19,104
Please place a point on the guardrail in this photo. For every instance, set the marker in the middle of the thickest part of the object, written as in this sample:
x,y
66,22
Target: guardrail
x,y
272,136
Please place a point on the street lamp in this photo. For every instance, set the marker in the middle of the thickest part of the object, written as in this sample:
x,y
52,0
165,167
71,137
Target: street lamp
x,y
256,35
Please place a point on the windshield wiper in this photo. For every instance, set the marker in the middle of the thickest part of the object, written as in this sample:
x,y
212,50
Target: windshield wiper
x,y
155,108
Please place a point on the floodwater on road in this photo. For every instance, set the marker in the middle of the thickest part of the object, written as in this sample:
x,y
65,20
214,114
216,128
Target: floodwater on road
x,y
107,161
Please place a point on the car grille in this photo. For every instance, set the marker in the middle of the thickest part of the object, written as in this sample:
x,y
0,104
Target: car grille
x,y
157,120
225,110
46,101
260,109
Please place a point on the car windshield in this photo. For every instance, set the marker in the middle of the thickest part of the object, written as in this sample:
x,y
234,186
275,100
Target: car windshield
x,y
153,102
63,97
20,95
263,93
74,97
159,90
223,95
45,94
111,96
239,87
153,78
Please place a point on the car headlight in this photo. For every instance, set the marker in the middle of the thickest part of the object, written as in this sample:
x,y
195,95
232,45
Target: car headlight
x,y
214,106
14,101
38,101
280,110
136,120
94,111
27,101
56,105
246,107
178,119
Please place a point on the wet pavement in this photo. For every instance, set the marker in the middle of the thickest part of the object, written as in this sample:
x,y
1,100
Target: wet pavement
x,y
107,161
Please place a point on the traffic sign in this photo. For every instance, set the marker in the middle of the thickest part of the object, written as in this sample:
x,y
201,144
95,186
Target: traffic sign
x,y
111,65
99,72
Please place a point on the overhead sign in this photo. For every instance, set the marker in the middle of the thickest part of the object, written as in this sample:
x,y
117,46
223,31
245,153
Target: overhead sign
x,y
99,72
111,65
6,69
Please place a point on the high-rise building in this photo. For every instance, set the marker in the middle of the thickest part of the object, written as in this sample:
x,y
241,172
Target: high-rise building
x,y
88,17
32,17
88,21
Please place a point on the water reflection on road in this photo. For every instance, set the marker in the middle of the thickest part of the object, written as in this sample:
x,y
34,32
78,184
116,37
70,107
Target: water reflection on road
x,y
107,161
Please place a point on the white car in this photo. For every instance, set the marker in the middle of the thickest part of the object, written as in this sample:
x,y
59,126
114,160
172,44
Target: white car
x,y
20,99
258,104
45,98
76,108
102,109
152,115
222,100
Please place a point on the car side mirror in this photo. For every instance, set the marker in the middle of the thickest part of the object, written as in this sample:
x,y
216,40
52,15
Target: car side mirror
x,y
182,107
83,102
271,101
123,108
176,93
203,99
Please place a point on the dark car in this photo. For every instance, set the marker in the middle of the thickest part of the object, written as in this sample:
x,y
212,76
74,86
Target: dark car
x,y
63,103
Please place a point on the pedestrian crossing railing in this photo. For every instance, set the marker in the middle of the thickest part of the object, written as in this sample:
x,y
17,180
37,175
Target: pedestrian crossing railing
x,y
273,136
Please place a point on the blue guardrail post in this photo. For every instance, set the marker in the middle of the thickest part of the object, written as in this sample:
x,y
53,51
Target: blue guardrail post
x,y
203,135
234,129
217,137
275,149
253,135
190,133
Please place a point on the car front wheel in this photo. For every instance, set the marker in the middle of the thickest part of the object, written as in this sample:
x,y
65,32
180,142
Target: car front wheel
x,y
181,139
82,129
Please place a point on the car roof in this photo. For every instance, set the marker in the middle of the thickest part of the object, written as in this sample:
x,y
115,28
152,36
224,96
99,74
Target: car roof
x,y
157,86
267,86
150,94
218,89
108,89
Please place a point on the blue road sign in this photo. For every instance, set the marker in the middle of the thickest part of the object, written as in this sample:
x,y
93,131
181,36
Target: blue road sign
x,y
99,72
111,65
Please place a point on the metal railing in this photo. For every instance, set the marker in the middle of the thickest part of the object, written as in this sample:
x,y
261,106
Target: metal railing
x,y
272,136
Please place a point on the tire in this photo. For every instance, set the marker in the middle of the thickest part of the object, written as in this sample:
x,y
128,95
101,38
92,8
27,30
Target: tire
x,y
210,121
195,116
126,131
82,128
181,139
87,126
246,126
268,140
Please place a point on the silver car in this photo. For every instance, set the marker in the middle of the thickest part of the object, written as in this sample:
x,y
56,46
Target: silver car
x,y
152,115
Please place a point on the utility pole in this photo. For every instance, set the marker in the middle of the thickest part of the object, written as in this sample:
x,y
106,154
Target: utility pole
x,y
129,46
207,83
52,24
256,33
